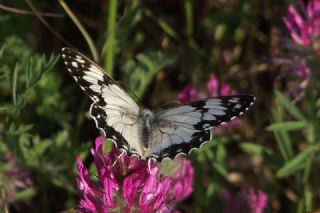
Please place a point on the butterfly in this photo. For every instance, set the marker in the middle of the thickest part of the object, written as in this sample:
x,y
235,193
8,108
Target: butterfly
x,y
141,132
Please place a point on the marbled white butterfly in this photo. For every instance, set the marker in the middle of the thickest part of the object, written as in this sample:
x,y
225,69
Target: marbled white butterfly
x,y
141,132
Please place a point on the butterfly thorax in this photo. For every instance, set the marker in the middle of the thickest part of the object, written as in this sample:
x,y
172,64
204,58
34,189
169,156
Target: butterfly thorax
x,y
146,117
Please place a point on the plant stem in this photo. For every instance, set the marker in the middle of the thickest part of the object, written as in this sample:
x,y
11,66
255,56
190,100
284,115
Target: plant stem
x,y
111,21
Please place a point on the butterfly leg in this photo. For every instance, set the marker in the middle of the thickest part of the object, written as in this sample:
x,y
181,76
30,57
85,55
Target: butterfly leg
x,y
149,164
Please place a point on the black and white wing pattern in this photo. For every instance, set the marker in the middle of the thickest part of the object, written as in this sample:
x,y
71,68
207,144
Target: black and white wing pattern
x,y
179,130
113,111
139,132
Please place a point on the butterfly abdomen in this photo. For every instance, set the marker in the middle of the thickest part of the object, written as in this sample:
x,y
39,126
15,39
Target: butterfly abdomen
x,y
146,117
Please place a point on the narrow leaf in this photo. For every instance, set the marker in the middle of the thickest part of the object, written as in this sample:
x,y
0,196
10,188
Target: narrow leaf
x,y
264,152
297,162
221,169
14,84
287,126
288,105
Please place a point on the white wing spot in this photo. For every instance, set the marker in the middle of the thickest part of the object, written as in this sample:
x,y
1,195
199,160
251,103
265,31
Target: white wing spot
x,y
209,117
74,64
234,100
240,113
223,123
79,59
216,112
232,118
237,106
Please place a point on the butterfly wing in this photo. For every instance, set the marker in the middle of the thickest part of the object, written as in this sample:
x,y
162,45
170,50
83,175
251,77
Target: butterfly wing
x,y
113,111
181,129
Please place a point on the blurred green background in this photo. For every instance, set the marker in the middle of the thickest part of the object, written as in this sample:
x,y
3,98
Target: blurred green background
x,y
154,49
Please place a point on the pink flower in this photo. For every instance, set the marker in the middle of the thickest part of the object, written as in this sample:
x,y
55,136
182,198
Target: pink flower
x,y
218,88
187,94
302,55
16,178
125,183
251,201
305,29
183,178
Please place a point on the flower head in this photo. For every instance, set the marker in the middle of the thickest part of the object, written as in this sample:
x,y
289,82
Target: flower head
x,y
217,87
125,184
187,94
302,56
305,29
252,201
182,173
16,178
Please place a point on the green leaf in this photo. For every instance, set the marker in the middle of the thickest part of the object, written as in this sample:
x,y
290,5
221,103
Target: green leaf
x,y
298,161
189,17
288,105
221,169
264,152
162,24
26,194
221,153
14,84
211,190
139,72
126,24
2,50
111,20
308,200
287,126
282,137
254,148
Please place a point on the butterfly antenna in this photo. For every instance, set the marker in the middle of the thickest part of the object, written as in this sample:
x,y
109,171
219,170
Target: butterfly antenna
x,y
121,154
170,104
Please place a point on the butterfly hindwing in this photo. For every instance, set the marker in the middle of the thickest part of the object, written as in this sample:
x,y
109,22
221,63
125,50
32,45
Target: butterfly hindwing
x,y
181,129
114,112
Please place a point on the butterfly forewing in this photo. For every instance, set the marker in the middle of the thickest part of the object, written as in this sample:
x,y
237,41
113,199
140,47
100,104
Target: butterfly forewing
x,y
181,129
114,112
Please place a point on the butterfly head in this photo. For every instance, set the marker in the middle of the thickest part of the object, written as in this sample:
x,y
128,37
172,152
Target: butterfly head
x,y
147,117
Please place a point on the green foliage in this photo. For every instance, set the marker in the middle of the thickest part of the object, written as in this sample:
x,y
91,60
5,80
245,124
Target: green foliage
x,y
300,164
30,90
43,120
140,72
